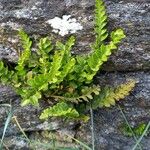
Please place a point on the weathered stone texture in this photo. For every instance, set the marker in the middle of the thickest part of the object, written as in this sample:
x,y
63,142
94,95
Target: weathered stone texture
x,y
132,60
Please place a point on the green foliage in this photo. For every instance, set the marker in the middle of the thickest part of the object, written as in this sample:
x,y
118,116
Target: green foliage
x,y
5,74
137,130
110,95
61,109
52,72
100,23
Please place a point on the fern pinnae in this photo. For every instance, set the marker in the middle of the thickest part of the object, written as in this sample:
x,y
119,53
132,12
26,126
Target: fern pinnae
x,y
108,96
55,66
5,74
123,90
66,69
100,23
45,47
27,43
86,95
61,109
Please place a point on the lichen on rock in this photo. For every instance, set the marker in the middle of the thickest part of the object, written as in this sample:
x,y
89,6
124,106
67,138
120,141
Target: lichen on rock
x,y
65,25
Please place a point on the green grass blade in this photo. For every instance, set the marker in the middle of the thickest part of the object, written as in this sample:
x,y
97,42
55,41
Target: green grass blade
x,y
135,138
6,122
92,129
140,139
81,143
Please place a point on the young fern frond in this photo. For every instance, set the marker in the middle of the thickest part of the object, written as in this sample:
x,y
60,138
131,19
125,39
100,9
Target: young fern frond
x,y
55,66
101,55
45,46
108,96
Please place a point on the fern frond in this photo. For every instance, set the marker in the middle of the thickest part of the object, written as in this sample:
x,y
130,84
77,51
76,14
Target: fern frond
x,y
101,52
45,47
33,100
117,36
67,62
67,48
124,90
86,95
55,66
108,96
26,44
61,109
5,74
66,69
100,23
25,55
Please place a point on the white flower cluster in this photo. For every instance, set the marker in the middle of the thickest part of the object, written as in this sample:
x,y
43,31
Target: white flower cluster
x,y
65,25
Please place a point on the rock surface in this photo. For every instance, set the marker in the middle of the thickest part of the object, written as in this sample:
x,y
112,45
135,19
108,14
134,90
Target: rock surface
x,y
133,17
131,61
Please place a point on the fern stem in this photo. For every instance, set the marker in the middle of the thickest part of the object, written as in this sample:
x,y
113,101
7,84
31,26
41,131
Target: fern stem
x,y
64,98
59,97
92,129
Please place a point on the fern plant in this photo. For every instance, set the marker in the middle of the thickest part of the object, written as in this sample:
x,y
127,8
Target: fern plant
x,y
53,73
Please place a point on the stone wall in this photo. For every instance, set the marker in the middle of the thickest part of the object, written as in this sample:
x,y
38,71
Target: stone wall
x,y
132,60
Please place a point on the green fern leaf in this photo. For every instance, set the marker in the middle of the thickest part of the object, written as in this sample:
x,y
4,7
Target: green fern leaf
x,y
25,55
34,100
66,48
45,46
117,36
100,23
109,96
55,66
66,69
26,44
5,74
61,109
86,95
